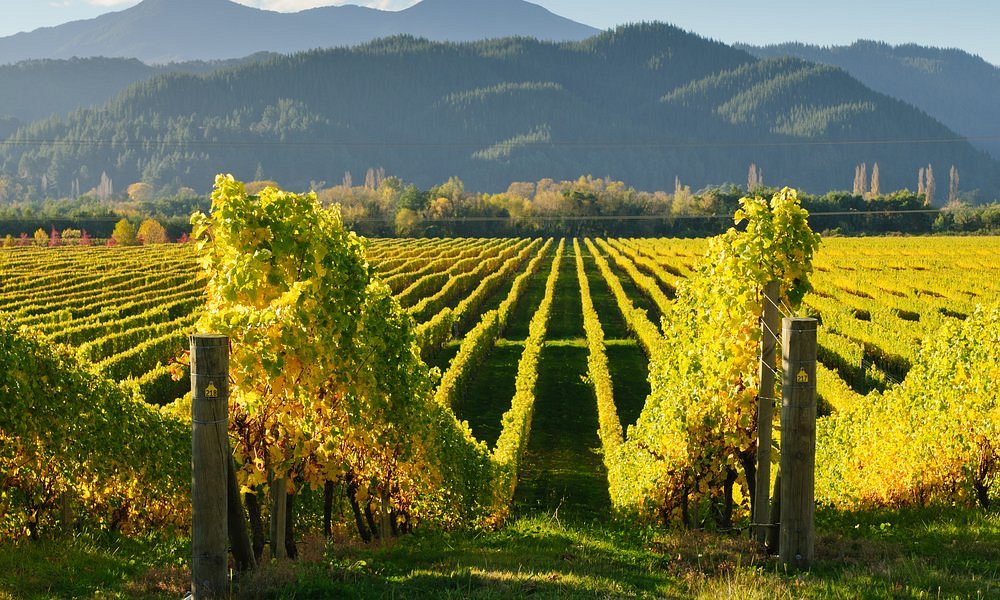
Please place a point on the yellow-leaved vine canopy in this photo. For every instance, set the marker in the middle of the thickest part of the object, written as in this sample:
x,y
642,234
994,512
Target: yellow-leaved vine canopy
x,y
934,438
681,457
327,384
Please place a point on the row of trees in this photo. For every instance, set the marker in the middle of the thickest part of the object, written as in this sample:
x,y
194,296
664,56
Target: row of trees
x,y
926,185
602,206
381,205
125,234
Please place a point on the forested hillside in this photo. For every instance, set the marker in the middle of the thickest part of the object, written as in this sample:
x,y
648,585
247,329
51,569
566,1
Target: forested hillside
x,y
953,86
36,89
645,104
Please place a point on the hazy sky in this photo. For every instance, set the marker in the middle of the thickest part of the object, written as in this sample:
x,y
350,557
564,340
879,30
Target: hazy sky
x,y
971,25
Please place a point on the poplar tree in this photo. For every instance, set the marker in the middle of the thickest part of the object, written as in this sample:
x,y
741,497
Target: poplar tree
x,y
929,186
861,179
755,178
953,185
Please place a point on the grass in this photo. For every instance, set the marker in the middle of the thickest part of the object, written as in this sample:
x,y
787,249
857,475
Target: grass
x,y
531,297
566,315
638,298
488,394
608,313
562,472
924,554
917,553
492,302
101,565
441,358
629,378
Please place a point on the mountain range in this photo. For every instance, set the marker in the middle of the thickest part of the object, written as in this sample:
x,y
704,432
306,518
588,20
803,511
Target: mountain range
x,y
162,31
959,89
952,86
643,103
37,89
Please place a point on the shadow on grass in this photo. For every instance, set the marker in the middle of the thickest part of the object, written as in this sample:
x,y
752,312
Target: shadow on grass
x,y
441,357
629,379
84,566
919,553
566,315
935,552
638,298
563,469
537,556
531,297
487,395
612,321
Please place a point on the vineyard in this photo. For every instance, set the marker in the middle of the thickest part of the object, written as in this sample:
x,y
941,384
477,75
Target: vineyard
x,y
535,342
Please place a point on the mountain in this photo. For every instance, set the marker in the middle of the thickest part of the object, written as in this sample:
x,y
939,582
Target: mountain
x,y
161,31
957,88
36,89
644,104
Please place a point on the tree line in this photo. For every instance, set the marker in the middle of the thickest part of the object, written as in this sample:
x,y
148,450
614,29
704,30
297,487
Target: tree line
x,y
384,206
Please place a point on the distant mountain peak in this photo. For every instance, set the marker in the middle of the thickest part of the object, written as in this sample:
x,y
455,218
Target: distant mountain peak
x,y
455,4
176,5
159,31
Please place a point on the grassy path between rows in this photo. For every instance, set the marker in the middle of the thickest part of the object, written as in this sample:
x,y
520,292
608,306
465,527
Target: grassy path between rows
x,y
487,396
629,377
638,298
562,473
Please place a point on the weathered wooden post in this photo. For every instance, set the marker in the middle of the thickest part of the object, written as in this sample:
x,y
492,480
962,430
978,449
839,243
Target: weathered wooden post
x,y
209,464
765,411
798,442
279,506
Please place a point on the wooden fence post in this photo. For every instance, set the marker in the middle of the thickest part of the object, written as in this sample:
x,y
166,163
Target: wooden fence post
x,y
209,464
798,442
765,411
279,506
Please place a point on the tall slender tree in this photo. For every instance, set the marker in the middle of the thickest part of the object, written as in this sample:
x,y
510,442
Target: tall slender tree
x,y
929,186
106,188
953,185
861,180
755,178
